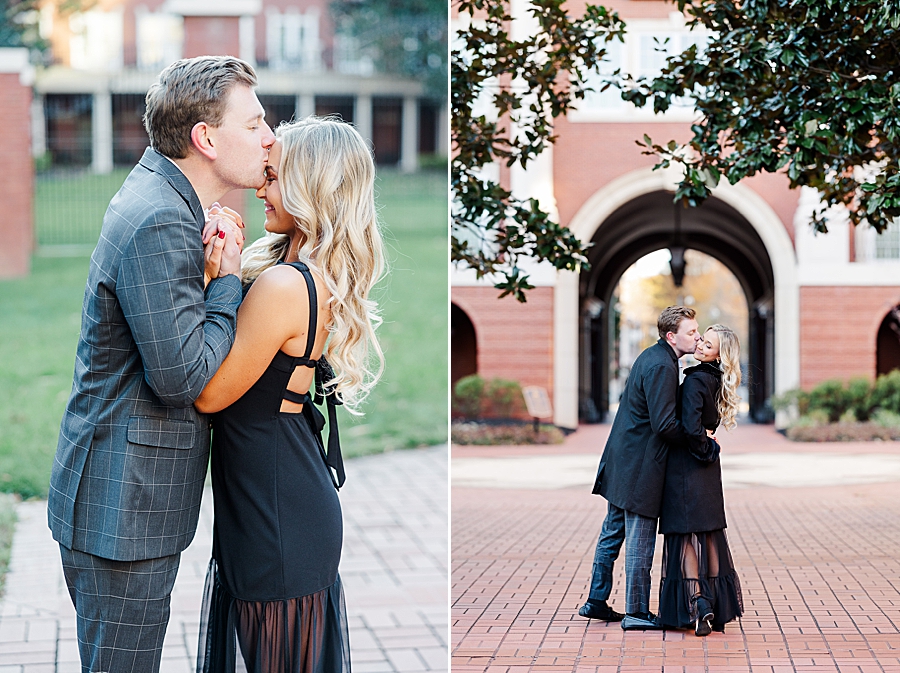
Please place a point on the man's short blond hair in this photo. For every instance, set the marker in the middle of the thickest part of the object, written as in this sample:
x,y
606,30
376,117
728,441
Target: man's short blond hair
x,y
189,91
671,318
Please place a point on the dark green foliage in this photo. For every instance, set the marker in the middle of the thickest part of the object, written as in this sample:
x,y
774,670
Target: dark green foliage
x,y
864,398
807,87
529,82
468,395
18,24
406,37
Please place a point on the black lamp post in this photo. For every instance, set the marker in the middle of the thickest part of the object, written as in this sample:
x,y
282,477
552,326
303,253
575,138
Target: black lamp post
x,y
677,264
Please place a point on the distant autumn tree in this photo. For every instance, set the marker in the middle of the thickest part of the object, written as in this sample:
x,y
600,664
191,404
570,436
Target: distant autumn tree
x,y
807,87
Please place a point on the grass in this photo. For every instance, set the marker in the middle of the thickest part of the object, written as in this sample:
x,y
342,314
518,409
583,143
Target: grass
x,y
41,316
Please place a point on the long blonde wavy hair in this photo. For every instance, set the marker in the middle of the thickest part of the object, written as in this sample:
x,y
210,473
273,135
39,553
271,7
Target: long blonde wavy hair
x,y
327,182
730,364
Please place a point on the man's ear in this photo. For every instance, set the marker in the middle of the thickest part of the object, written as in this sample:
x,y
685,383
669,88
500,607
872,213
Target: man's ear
x,y
670,338
202,140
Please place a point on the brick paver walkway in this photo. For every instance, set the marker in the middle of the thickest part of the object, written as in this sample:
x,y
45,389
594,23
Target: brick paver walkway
x,y
819,567
394,569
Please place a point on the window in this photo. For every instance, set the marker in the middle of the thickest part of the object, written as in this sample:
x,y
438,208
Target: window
x,y
292,39
159,38
647,46
874,247
96,40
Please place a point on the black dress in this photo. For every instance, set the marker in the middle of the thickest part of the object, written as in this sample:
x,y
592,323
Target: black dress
x,y
693,513
272,589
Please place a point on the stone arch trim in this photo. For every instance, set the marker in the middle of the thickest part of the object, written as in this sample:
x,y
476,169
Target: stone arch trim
x,y
606,200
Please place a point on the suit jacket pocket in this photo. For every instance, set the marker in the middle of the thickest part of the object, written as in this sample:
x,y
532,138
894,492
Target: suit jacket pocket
x,y
161,432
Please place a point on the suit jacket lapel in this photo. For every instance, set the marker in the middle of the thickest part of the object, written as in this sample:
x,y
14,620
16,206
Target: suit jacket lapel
x,y
157,163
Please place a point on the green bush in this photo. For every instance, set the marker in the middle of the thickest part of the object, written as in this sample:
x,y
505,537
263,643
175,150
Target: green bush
x,y
831,401
468,396
886,392
859,398
830,397
505,397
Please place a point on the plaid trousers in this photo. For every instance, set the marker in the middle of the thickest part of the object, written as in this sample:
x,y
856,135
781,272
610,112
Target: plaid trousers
x,y
122,608
639,535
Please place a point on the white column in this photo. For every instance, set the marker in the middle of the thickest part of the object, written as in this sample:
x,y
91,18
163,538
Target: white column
x,y
409,135
247,39
305,106
565,350
102,133
38,126
362,116
443,130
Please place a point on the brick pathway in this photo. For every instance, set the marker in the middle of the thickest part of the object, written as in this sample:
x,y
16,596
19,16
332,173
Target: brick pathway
x,y
394,569
819,567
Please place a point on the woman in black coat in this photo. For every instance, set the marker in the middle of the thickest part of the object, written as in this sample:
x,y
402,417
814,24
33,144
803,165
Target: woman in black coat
x,y
700,587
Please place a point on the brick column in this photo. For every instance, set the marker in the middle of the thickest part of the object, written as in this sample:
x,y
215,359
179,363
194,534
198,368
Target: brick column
x,y
16,165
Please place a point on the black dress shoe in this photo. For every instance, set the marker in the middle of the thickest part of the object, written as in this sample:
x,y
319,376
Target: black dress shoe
x,y
641,621
600,610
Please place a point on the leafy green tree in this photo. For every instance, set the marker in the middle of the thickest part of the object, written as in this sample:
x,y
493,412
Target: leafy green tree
x,y
19,24
405,37
529,82
807,87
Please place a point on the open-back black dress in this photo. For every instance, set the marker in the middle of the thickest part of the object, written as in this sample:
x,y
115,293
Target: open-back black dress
x,y
273,594
692,517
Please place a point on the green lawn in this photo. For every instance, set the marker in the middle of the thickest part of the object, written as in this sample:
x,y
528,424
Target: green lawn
x,y
41,317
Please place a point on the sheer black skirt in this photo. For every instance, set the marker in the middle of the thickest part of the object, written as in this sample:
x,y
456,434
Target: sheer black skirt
x,y
298,635
698,564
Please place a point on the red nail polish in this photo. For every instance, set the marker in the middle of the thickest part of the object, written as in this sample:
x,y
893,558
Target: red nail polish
x,y
221,234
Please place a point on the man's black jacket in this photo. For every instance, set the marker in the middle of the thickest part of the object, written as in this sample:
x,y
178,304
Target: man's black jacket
x,y
633,467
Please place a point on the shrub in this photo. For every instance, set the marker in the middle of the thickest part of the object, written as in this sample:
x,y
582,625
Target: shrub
x,y
468,396
859,398
830,397
886,392
505,398
886,418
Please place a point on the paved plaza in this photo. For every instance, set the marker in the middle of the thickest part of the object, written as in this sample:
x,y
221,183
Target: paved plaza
x,y
813,529
394,570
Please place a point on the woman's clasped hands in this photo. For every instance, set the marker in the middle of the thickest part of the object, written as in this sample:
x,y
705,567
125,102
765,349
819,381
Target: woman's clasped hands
x,y
223,239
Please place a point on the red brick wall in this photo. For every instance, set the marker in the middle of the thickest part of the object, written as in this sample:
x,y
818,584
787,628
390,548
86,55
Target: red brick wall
x,y
16,177
213,35
839,330
515,341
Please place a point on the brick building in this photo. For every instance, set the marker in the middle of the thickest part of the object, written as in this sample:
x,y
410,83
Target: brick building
x,y
87,106
819,307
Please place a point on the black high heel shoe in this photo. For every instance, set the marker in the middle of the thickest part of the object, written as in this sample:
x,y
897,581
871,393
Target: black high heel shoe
x,y
705,615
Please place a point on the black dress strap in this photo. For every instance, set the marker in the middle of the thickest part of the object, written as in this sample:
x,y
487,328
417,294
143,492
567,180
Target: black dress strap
x,y
332,457
313,311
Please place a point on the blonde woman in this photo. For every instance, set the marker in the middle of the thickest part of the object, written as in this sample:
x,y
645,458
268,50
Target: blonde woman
x,y
273,593
699,586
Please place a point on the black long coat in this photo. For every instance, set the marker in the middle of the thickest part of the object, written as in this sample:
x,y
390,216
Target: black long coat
x,y
633,466
692,497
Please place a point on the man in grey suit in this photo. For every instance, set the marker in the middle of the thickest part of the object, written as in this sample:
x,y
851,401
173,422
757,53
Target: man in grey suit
x,y
132,455
633,469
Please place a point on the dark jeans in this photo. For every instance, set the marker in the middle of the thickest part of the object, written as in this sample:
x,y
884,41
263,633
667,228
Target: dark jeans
x,y
122,608
639,534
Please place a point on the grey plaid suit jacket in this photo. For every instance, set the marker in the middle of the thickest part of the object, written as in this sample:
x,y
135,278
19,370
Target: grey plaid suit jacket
x,y
132,453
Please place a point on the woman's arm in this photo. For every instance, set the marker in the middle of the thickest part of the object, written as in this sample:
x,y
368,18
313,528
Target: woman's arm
x,y
275,310
695,396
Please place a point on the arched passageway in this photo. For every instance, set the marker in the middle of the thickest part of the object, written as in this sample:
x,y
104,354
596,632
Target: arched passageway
x,y
651,222
888,347
463,345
